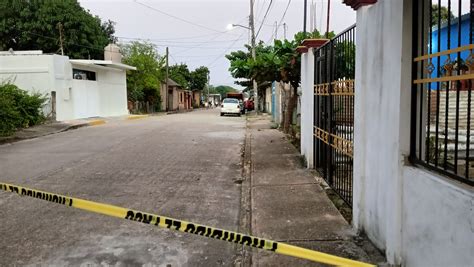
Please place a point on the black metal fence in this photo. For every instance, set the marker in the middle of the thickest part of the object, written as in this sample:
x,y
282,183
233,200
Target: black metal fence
x,y
443,73
334,112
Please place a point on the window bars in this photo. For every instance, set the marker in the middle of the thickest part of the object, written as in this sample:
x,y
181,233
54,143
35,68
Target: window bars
x,y
443,73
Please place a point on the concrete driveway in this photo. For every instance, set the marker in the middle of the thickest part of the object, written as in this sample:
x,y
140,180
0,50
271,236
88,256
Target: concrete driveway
x,y
182,166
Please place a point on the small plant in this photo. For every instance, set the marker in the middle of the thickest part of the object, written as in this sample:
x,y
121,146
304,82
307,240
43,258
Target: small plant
x,y
19,109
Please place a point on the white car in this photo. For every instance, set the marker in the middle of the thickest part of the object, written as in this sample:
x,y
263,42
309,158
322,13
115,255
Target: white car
x,y
230,106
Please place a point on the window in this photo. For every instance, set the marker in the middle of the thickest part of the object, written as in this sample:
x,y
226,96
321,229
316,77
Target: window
x,y
442,128
231,100
83,75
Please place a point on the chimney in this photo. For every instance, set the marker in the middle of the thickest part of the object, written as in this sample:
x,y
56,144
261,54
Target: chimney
x,y
112,53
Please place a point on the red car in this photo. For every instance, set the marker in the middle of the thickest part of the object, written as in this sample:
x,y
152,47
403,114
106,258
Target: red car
x,y
248,104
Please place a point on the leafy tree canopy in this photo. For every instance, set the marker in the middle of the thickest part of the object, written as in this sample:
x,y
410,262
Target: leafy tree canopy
x,y
180,74
277,62
35,25
143,84
199,78
435,14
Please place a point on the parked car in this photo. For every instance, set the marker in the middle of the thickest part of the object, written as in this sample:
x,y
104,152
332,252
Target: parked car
x,y
230,106
248,104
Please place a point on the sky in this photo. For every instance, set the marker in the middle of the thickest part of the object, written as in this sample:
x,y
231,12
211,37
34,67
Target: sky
x,y
196,30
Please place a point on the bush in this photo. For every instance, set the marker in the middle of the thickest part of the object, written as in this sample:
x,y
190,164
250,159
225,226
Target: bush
x,y
18,109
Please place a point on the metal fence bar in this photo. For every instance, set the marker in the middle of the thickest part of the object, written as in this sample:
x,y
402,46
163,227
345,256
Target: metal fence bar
x,y
334,114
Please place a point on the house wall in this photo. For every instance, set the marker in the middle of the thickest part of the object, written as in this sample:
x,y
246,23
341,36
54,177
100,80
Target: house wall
x,y
268,99
307,106
278,96
181,99
74,98
163,96
196,98
42,74
112,85
419,218
104,97
85,95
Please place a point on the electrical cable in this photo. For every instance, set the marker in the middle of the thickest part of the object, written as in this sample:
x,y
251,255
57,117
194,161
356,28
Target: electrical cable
x,y
178,18
264,17
210,64
284,14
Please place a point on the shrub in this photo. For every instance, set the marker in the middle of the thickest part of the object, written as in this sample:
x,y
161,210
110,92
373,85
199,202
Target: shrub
x,y
18,109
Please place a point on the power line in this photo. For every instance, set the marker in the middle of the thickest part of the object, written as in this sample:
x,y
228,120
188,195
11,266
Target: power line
x,y
182,42
173,58
178,18
200,45
182,46
260,10
284,14
281,20
68,43
228,48
264,17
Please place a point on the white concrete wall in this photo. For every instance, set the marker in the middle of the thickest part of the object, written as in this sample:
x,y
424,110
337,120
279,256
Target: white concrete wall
x,y
307,106
417,217
85,96
438,220
112,92
74,98
63,85
42,74
277,117
268,100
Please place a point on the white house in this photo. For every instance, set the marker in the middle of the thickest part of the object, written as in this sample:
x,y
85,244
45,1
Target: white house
x,y
76,88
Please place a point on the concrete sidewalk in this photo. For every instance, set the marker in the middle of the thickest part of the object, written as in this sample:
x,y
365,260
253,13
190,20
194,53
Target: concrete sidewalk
x,y
286,204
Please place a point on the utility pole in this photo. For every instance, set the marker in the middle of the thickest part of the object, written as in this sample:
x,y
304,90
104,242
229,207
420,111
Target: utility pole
x,y
276,30
208,78
327,26
284,30
167,73
61,41
252,30
304,15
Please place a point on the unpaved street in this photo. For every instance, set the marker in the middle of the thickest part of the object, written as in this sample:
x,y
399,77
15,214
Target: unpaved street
x,y
183,166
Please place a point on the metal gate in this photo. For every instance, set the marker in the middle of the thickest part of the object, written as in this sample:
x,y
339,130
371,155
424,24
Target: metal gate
x,y
334,112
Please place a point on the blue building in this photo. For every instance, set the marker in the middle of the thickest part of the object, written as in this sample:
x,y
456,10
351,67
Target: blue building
x,y
453,43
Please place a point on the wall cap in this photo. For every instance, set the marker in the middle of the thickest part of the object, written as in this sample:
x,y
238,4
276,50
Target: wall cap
x,y
355,4
314,43
301,49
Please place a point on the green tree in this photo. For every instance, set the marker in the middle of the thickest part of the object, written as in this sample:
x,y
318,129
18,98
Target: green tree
x,y
35,25
278,62
180,74
199,78
443,11
144,83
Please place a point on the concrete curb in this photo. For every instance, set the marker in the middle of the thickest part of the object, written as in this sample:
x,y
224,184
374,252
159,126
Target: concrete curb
x,y
136,117
96,122
14,138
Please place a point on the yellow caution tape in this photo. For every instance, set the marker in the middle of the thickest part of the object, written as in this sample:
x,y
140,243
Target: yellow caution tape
x,y
183,226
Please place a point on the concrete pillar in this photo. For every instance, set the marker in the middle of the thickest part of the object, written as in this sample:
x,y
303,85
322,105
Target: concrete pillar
x,y
307,106
381,121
